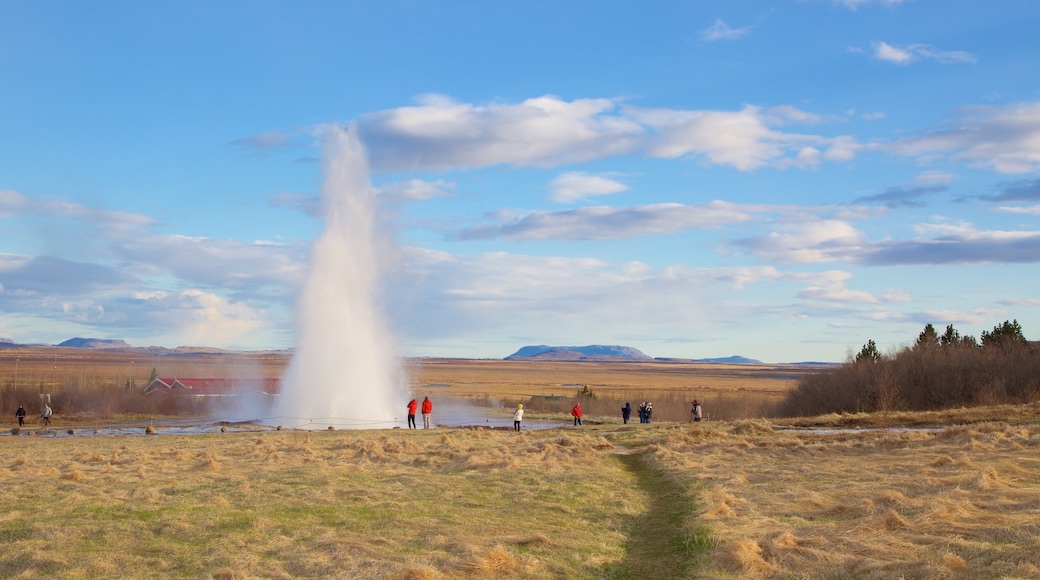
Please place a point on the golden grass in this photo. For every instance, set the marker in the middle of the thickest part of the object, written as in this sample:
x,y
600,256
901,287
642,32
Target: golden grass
x,y
339,504
963,502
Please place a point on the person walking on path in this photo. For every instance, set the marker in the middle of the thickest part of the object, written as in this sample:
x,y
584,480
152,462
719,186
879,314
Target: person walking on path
x,y
642,412
411,413
427,409
20,413
626,412
695,411
576,413
46,414
649,411
518,416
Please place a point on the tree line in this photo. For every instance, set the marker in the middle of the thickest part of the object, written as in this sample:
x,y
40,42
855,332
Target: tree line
x,y
935,372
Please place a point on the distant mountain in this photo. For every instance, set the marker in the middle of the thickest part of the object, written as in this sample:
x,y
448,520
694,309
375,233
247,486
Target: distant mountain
x,y
95,343
735,359
591,352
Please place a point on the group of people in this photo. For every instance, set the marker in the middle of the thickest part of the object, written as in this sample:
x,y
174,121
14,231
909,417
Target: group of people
x,y
646,412
45,414
427,410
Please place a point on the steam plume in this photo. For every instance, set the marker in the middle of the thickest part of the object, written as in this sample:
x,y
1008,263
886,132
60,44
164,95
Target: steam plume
x,y
344,371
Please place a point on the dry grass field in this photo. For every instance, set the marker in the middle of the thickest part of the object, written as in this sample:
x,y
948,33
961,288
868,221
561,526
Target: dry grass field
x,y
956,495
740,499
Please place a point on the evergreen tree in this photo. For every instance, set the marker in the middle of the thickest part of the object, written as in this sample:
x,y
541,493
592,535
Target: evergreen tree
x,y
1005,335
869,353
928,338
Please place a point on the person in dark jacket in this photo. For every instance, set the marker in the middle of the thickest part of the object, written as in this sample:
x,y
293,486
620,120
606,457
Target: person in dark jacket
x,y
20,413
626,412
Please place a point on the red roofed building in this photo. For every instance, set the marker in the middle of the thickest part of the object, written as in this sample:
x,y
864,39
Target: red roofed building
x,y
213,387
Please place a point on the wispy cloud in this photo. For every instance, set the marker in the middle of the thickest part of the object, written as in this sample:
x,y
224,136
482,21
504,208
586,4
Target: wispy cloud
x,y
1028,190
1005,139
577,185
416,190
916,52
607,223
722,31
981,247
900,196
264,143
855,4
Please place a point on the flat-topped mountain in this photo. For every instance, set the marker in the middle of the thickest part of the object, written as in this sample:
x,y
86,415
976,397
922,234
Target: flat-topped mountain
x,y
98,343
591,352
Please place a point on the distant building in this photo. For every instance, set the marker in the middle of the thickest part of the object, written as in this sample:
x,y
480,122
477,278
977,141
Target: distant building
x,y
213,387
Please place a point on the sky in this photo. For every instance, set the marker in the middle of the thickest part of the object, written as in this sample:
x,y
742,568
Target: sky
x,y
782,180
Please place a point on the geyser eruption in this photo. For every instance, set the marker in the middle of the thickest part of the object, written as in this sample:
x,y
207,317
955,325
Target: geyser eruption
x,y
344,371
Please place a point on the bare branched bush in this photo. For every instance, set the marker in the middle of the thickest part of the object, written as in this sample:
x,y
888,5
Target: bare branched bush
x,y
921,378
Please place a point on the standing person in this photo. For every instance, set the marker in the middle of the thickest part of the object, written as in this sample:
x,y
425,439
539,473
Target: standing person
x,y
695,411
20,413
427,408
649,410
626,412
46,414
642,412
411,413
518,416
576,413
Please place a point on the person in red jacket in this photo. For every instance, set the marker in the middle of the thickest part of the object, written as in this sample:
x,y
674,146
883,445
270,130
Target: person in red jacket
x,y
427,408
411,413
576,413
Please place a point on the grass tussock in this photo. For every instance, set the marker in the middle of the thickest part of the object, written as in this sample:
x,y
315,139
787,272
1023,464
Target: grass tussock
x,y
286,504
956,502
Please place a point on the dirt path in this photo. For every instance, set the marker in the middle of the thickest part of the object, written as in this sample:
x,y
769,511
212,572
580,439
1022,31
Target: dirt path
x,y
658,545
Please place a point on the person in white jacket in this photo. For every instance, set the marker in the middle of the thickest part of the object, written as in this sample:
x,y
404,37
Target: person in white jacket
x,y
518,416
46,414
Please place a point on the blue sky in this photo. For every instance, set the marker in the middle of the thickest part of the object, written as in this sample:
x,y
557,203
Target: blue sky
x,y
782,180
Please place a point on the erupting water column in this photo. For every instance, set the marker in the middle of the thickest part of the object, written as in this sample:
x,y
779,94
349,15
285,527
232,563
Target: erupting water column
x,y
344,371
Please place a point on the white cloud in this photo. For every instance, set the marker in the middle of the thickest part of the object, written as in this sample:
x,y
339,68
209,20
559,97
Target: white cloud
x,y
576,185
546,131
722,31
1005,139
742,139
830,286
1024,210
221,263
195,317
813,240
915,52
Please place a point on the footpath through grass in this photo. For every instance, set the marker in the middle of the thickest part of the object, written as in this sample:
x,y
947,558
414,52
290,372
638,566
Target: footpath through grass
x,y
660,544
